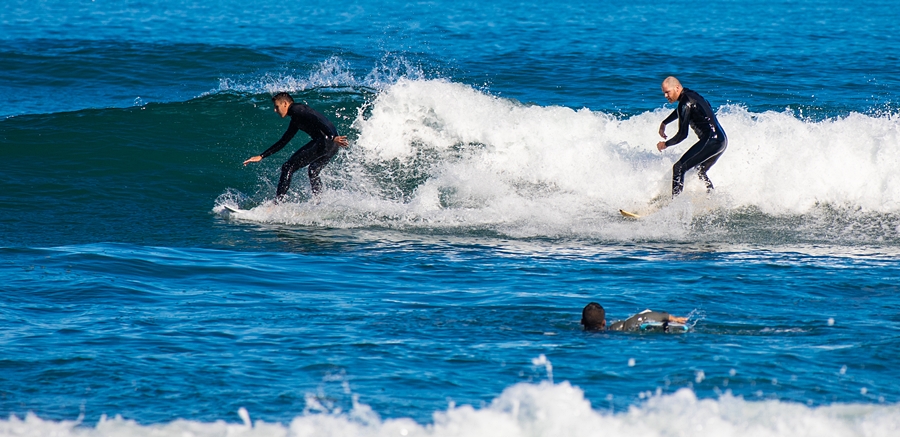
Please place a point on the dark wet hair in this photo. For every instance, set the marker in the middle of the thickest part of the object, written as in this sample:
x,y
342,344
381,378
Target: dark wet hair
x,y
282,96
593,317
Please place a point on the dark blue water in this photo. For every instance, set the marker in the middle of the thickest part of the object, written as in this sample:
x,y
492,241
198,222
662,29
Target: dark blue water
x,y
435,288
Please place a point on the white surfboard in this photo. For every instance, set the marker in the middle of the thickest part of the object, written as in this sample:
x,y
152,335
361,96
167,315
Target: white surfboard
x,y
233,209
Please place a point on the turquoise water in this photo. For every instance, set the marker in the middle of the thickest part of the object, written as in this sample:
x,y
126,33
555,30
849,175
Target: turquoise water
x,y
435,288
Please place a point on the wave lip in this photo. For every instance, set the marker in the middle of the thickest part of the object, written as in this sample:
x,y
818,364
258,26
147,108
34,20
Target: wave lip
x,y
333,72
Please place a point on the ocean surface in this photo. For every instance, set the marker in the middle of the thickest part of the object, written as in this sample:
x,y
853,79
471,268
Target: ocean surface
x,y
435,288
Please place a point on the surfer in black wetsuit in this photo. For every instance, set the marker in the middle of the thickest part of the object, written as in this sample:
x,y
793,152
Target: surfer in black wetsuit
x,y
323,145
593,317
693,111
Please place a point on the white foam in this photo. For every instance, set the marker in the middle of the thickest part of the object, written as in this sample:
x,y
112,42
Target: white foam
x,y
784,164
774,161
528,410
434,153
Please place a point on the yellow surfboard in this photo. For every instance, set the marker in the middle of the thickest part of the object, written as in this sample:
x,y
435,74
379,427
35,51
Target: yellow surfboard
x,y
630,215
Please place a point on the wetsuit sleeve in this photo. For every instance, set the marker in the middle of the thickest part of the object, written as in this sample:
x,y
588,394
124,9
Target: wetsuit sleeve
x,y
672,117
655,316
286,138
684,124
634,322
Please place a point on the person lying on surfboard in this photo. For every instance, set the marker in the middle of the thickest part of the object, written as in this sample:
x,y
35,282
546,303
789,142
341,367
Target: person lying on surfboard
x,y
593,317
323,145
693,112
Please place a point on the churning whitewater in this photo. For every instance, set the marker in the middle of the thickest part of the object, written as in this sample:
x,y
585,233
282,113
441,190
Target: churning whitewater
x,y
437,154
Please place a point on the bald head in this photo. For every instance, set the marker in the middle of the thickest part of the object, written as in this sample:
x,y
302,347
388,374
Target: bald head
x,y
671,81
671,88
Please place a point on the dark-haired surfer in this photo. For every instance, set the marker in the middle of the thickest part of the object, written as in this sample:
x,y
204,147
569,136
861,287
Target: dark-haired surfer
x,y
693,111
593,317
323,145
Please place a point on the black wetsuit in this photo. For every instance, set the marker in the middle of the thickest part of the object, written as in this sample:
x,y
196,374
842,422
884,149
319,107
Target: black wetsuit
x,y
694,111
316,153
634,322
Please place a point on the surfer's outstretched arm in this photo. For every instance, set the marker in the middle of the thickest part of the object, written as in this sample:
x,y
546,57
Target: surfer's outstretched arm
x,y
256,158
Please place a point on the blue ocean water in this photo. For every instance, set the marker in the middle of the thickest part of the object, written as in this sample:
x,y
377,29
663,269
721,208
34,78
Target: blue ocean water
x,y
435,288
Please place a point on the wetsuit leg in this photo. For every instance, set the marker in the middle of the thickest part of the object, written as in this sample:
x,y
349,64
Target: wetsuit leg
x,y
704,167
315,154
301,158
705,153
316,167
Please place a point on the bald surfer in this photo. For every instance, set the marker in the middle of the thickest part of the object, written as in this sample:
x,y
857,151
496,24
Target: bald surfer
x,y
323,145
693,112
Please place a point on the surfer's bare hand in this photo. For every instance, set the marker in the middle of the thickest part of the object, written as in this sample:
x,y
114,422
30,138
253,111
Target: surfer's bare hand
x,y
678,319
661,146
341,141
662,131
256,158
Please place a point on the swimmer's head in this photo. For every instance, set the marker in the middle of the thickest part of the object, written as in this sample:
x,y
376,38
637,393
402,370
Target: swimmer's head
x,y
671,88
593,317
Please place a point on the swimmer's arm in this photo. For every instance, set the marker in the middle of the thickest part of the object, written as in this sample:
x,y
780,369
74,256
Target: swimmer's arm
x,y
657,316
677,319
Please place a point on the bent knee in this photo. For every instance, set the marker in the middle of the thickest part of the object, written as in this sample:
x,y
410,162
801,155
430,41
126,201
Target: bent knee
x,y
288,167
